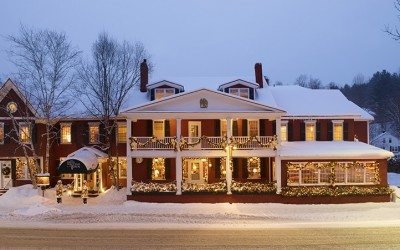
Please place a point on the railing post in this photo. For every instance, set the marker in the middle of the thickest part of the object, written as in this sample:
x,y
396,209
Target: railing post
x,y
128,157
178,160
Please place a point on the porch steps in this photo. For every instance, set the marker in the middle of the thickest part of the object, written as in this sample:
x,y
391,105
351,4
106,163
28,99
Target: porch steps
x,y
3,191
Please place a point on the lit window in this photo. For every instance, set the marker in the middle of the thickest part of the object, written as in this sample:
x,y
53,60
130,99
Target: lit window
x,y
1,133
21,168
121,132
222,168
158,129
158,169
163,92
284,131
24,132
65,133
337,130
94,133
253,168
252,127
223,128
310,131
121,166
242,92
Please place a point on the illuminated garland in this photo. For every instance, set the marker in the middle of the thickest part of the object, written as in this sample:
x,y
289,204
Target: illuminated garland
x,y
218,187
185,144
173,143
271,143
253,187
335,191
152,187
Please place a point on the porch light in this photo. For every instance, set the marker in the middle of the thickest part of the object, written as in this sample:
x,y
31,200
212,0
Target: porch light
x,y
209,165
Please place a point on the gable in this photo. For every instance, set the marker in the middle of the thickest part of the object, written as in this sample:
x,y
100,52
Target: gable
x,y
10,93
238,82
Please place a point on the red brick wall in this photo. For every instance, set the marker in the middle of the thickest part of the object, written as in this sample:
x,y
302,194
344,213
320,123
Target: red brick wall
x,y
361,130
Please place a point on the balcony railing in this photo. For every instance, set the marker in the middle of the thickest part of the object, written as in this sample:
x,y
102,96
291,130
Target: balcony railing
x,y
203,143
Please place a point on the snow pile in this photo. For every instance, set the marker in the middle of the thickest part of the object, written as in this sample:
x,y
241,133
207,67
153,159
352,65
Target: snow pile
x,y
35,209
111,196
21,196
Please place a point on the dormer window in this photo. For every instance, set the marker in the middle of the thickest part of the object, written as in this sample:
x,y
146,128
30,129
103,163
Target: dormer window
x,y
163,92
242,92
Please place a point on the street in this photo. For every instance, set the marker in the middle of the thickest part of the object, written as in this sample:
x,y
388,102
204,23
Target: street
x,y
332,238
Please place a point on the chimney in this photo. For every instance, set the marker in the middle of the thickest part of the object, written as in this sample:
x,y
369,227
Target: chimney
x,y
144,76
259,75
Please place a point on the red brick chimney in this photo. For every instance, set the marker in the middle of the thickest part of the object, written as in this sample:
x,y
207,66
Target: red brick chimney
x,y
144,76
259,75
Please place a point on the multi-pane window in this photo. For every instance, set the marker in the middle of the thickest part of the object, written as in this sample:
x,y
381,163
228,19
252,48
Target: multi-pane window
x,y
65,133
158,169
21,168
24,132
1,133
163,92
158,129
310,131
94,133
121,135
252,127
224,127
337,130
284,131
242,92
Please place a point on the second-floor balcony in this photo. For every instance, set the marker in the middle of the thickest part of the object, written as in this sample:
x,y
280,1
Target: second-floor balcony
x,y
203,143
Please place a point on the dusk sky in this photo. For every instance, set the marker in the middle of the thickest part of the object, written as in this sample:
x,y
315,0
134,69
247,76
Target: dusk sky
x,y
331,40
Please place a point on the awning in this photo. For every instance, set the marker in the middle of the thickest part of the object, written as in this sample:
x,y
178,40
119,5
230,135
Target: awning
x,y
84,160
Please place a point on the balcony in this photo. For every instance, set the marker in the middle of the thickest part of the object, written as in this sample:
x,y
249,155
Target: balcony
x,y
203,143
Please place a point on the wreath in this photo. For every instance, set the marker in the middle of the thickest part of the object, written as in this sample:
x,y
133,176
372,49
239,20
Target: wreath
x,y
6,171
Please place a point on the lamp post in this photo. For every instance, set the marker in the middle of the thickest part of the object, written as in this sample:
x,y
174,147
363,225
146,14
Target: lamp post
x,y
43,181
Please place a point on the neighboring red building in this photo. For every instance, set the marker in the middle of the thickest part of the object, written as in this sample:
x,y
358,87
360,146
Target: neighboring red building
x,y
218,140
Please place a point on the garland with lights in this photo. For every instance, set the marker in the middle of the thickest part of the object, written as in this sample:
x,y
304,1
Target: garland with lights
x,y
135,141
218,187
335,191
271,143
253,187
152,187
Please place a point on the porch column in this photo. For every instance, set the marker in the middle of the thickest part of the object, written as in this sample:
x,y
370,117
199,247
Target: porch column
x,y
228,166
278,132
178,160
278,174
128,157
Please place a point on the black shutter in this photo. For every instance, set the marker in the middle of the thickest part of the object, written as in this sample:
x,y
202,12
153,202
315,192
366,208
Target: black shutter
x,y
345,131
102,133
34,133
149,163
176,91
245,173
261,126
113,133
217,168
290,130
217,127
235,128
330,131
244,127
149,128
251,91
152,96
264,167
167,168
13,169
7,133
302,131
274,127
235,162
85,134
318,131
226,90
167,129
74,134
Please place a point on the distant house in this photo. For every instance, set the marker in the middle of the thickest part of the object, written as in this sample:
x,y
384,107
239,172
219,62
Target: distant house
x,y
388,141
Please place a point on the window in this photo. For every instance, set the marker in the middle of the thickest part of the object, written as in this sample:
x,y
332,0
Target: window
x,y
158,129
222,168
21,168
242,92
121,135
337,130
163,92
252,127
158,169
390,140
224,128
94,133
284,131
310,130
1,133
253,168
24,132
65,133
121,166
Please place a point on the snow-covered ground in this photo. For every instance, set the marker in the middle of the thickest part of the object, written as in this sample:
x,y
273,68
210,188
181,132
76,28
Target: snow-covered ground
x,y
24,206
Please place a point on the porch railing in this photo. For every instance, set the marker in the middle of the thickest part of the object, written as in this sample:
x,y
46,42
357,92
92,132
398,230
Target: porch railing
x,y
257,142
152,143
203,143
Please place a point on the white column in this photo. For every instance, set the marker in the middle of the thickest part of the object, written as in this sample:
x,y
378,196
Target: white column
x,y
178,160
278,174
228,166
128,157
278,132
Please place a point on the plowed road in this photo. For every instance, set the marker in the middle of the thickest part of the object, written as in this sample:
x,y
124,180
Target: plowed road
x,y
349,238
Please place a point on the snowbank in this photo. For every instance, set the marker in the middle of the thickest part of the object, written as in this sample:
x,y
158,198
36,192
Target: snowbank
x,y
21,196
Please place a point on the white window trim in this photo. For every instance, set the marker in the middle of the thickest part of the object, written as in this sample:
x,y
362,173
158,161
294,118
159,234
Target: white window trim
x,y
248,126
65,124
333,129
164,92
286,124
4,133
239,89
163,122
94,124
119,124
314,123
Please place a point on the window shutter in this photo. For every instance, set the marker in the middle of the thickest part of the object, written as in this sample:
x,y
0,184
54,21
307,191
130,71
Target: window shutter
x,y
251,93
290,131
176,91
217,168
244,127
152,96
235,162
85,134
261,126
302,131
33,133
13,169
245,173
330,131
217,127
7,133
167,129
235,128
226,90
102,133
264,167
149,128
149,163
274,127
167,168
345,131
318,131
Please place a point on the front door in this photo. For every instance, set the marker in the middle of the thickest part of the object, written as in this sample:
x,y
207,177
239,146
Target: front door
x,y
194,133
197,173
78,182
5,175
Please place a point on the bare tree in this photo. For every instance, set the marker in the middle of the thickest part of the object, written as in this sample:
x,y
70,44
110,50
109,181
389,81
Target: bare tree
x,y
333,85
394,32
301,80
45,60
359,79
393,113
106,80
314,83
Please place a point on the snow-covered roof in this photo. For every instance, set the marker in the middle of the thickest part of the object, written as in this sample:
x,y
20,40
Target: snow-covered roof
x,y
165,82
382,135
332,150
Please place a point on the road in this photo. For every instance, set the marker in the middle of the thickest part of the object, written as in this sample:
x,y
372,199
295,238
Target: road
x,y
334,238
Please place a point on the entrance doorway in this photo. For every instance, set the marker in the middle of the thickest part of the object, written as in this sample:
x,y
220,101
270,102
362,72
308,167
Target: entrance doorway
x,y
194,132
5,175
196,171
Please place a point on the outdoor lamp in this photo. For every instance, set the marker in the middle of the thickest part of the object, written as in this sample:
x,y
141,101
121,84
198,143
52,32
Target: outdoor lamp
x,y
43,181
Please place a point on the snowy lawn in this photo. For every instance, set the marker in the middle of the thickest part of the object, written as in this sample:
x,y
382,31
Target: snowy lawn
x,y
23,206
